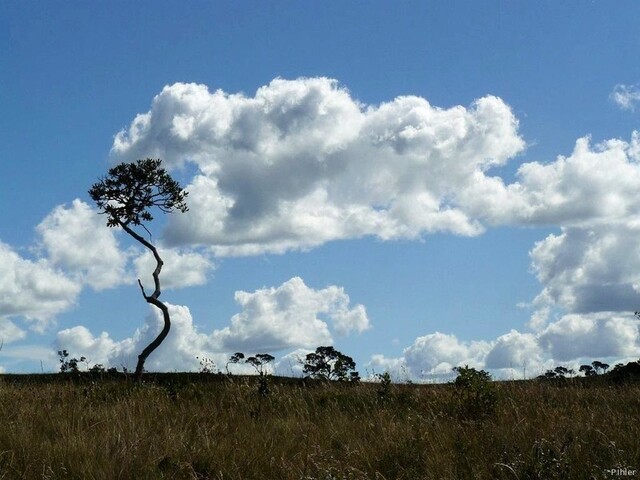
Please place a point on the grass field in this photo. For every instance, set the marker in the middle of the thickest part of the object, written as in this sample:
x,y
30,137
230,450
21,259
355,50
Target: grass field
x,y
205,426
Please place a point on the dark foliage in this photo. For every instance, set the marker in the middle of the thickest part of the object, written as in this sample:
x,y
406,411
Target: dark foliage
x,y
69,365
259,362
588,370
476,395
327,363
130,190
625,373
235,358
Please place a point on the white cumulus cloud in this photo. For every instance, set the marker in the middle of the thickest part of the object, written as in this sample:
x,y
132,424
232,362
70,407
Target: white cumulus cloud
x,y
513,350
593,335
291,315
589,269
302,162
595,184
440,352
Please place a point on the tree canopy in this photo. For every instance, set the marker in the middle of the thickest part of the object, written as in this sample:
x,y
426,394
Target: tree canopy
x,y
327,363
129,190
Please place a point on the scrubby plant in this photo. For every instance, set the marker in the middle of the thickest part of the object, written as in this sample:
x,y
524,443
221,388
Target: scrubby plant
x,y
476,396
625,373
69,365
558,372
384,391
206,365
97,368
260,362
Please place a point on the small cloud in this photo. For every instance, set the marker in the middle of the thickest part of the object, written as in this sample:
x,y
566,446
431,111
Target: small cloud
x,y
292,315
626,96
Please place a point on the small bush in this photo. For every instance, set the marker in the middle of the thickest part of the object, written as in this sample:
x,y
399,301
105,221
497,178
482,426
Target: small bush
x,y
476,396
384,391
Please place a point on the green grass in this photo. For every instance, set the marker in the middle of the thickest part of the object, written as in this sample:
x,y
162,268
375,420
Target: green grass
x,y
204,427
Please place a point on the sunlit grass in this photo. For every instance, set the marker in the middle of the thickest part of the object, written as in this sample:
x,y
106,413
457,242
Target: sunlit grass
x,y
204,427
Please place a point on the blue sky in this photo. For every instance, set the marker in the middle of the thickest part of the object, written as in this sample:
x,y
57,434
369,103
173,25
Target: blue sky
x,y
423,185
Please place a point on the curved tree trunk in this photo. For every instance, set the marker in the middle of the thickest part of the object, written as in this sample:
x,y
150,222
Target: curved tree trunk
x,y
153,300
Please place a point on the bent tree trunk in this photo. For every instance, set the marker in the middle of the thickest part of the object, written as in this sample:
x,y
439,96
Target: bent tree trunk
x,y
153,300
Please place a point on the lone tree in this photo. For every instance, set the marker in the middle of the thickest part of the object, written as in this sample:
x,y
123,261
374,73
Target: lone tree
x,y
126,195
327,363
259,362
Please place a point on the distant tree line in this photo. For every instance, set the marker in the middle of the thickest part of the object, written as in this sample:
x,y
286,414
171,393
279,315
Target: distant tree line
x,y
326,363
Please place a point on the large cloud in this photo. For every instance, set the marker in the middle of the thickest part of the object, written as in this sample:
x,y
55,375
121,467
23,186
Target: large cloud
x,y
595,184
302,162
33,290
587,270
290,316
595,335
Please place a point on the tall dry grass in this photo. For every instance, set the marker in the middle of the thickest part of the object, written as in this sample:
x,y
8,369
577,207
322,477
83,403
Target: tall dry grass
x,y
202,429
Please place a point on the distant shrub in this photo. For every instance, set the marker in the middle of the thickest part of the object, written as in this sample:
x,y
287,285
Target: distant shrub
x,y
476,396
69,365
97,368
384,391
259,362
206,365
